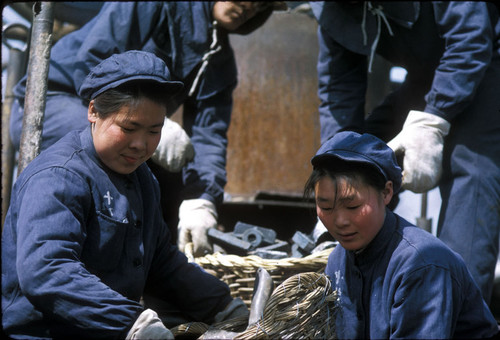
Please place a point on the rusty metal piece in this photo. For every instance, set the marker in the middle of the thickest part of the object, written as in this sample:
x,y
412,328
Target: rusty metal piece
x,y
269,254
229,242
279,245
303,241
254,234
254,237
324,245
297,252
36,86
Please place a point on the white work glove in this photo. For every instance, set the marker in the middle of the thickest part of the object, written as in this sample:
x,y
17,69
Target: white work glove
x,y
421,141
175,148
149,326
196,216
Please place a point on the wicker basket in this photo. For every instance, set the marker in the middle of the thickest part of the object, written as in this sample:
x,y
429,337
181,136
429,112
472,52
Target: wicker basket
x,y
302,307
239,272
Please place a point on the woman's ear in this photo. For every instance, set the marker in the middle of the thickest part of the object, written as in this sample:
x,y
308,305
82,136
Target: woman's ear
x,y
388,192
92,113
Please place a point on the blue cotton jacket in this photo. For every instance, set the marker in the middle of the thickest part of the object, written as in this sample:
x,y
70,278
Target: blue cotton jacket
x,y
406,284
181,33
446,48
80,242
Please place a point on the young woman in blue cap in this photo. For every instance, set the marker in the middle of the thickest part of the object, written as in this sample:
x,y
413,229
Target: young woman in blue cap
x,y
394,279
84,238
192,38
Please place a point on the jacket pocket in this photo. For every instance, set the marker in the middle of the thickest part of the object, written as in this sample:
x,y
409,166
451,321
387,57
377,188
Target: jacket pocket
x,y
104,244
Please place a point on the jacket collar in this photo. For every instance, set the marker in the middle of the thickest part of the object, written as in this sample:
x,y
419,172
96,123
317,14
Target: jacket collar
x,y
88,146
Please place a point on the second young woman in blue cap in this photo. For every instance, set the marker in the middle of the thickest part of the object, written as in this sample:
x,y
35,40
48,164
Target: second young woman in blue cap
x,y
394,279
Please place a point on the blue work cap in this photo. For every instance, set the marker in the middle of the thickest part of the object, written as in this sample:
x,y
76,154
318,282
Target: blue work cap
x,y
124,67
363,148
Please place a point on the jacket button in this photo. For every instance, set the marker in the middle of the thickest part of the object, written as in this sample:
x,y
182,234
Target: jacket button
x,y
137,262
138,224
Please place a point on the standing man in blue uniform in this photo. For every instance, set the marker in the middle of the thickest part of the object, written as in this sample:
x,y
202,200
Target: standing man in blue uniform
x,y
84,238
192,38
444,119
394,280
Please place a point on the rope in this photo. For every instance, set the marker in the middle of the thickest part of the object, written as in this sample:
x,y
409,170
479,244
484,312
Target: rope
x,y
379,13
214,48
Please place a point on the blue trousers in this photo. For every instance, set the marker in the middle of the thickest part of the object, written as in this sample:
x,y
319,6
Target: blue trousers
x,y
469,220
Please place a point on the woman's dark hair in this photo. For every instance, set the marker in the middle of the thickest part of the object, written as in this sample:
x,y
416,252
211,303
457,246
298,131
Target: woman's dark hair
x,y
129,93
336,168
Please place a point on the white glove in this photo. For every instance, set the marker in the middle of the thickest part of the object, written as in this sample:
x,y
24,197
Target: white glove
x,y
149,326
421,141
175,148
196,216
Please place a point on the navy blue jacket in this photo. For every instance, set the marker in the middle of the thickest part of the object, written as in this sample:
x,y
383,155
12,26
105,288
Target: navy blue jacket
x,y
79,244
406,284
181,34
446,47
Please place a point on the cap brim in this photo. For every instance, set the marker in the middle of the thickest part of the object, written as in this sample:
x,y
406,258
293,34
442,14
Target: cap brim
x,y
348,156
172,87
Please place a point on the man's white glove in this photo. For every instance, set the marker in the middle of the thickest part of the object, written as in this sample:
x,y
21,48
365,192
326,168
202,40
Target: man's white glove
x,y
149,326
196,216
175,148
421,141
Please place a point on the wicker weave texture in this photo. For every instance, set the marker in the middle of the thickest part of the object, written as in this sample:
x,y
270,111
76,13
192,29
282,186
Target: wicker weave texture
x,y
302,307
239,272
